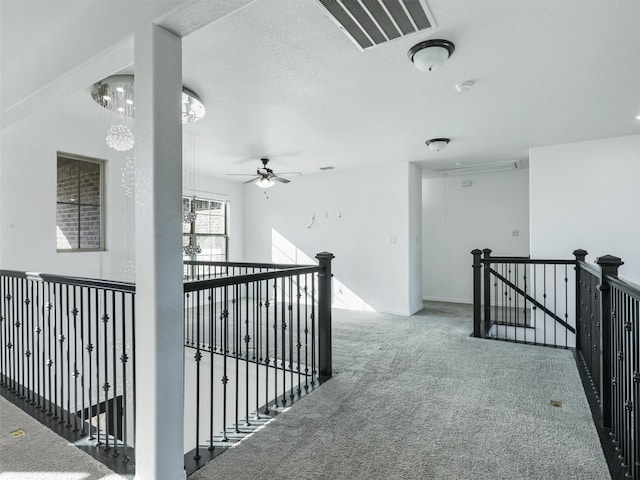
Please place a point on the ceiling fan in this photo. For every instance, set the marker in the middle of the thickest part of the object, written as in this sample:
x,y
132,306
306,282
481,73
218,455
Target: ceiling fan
x,y
264,176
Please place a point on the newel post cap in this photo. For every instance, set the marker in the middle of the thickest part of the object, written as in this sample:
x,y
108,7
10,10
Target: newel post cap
x,y
609,261
580,254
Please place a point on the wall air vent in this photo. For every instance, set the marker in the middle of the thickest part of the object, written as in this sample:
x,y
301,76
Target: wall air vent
x,y
369,23
479,168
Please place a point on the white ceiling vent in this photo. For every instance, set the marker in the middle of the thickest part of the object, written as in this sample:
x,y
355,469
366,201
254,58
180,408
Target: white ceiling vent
x,y
480,168
369,23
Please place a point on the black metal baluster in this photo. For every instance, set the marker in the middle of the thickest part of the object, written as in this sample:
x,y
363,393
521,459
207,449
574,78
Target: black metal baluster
x,y
76,372
20,328
628,381
212,348
4,341
236,346
57,358
275,342
283,326
124,359
90,348
29,341
247,339
615,356
133,366
313,330
526,291
635,319
68,373
97,358
106,386
299,340
39,359
566,308
83,372
267,349
197,358
50,354
555,304
306,333
290,326
115,411
544,296
257,342
225,351
12,346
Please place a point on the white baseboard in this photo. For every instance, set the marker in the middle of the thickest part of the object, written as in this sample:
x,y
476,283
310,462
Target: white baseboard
x,y
448,300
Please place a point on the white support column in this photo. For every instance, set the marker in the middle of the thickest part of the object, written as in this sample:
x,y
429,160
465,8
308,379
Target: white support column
x,y
159,342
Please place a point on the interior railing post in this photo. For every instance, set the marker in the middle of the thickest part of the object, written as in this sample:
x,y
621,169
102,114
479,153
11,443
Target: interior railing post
x,y
580,255
324,316
609,267
487,291
477,295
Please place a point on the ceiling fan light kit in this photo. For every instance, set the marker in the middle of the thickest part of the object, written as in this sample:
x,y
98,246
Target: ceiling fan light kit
x,y
431,54
264,182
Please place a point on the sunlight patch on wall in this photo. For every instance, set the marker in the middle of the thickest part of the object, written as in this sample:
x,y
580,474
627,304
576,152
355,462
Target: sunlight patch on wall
x,y
284,251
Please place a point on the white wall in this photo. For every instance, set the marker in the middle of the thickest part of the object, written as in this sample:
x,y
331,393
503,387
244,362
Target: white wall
x,y
361,216
457,219
28,201
587,195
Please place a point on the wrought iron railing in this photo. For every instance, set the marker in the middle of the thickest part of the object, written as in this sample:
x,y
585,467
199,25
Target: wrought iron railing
x,y
524,300
259,341
595,311
259,336
68,357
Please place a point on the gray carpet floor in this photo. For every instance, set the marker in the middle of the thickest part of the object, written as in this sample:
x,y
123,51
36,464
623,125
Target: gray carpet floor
x,y
411,398
417,398
30,451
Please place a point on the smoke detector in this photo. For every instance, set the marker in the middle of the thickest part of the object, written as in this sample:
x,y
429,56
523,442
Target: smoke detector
x,y
438,144
464,87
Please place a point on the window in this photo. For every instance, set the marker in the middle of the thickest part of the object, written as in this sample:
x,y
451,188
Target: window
x,y
204,229
79,209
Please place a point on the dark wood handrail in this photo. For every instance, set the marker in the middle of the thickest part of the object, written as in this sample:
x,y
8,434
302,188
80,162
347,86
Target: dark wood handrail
x,y
66,280
243,264
630,288
192,286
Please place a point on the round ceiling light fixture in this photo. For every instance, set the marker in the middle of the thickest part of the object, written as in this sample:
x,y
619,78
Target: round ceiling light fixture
x,y
438,144
431,53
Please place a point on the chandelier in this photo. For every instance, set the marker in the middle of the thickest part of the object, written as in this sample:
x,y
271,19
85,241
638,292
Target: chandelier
x,y
116,93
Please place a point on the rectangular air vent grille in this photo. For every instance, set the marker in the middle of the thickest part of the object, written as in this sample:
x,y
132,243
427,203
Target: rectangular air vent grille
x,y
373,22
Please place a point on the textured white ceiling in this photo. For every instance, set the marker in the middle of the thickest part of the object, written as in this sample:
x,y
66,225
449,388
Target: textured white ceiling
x,y
279,79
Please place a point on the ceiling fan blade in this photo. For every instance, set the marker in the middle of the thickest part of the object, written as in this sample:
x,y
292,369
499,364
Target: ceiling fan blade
x,y
252,180
278,179
293,174
241,174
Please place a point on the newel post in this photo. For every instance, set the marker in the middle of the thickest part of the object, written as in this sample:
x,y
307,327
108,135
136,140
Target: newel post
x,y
609,267
580,255
487,291
325,361
477,295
